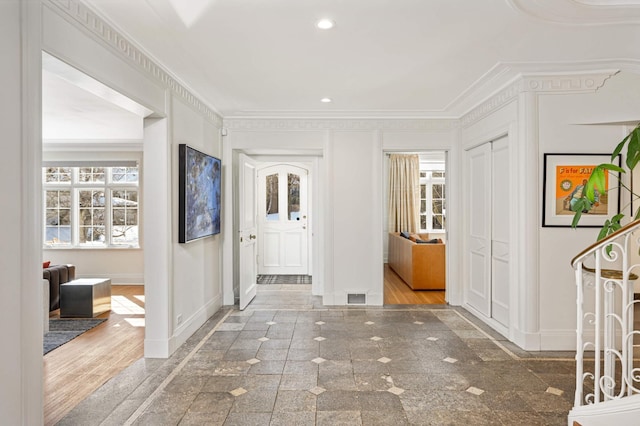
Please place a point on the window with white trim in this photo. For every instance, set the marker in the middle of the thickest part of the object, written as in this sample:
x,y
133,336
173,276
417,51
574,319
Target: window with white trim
x,y
95,207
432,200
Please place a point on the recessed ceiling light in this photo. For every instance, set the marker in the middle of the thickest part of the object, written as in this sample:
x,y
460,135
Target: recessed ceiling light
x,y
326,100
325,24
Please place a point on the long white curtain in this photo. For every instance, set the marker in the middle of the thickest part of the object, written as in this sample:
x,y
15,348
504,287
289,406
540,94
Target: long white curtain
x,y
404,192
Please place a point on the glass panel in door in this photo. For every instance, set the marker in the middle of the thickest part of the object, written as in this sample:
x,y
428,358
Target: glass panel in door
x,y
271,189
293,202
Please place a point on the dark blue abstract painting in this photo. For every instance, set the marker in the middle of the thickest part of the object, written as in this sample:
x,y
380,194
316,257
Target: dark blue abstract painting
x,y
199,204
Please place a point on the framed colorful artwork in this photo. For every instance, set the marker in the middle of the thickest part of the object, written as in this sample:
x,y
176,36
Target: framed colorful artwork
x,y
564,179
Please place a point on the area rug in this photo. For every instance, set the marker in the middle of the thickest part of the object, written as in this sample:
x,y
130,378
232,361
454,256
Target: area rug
x,y
63,330
284,279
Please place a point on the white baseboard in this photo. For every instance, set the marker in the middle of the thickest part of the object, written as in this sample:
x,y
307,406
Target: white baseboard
x,y
163,348
156,348
193,323
526,341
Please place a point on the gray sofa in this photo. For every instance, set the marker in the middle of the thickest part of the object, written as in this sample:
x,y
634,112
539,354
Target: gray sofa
x,y
56,275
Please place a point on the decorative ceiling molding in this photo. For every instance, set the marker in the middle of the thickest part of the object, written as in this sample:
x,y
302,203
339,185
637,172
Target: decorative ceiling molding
x,y
97,26
341,114
268,124
580,82
495,102
541,83
575,83
581,12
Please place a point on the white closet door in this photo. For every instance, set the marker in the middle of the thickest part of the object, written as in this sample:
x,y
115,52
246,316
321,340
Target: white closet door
x,y
479,211
500,231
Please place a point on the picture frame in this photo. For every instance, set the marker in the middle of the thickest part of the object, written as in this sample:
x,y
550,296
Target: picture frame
x,y
199,200
564,175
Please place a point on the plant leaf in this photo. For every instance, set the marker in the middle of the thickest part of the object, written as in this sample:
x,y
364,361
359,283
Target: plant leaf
x,y
612,167
617,218
577,216
618,149
604,231
633,149
596,181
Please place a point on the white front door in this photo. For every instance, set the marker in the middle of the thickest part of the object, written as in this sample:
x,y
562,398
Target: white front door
x,y
248,229
283,218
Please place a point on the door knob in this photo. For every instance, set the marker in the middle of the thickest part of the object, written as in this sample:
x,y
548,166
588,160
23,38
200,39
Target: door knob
x,y
252,237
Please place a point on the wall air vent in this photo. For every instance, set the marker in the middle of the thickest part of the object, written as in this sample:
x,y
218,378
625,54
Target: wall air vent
x,y
356,299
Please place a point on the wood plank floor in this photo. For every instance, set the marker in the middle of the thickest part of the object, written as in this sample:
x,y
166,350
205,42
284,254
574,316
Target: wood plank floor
x,y
75,370
397,292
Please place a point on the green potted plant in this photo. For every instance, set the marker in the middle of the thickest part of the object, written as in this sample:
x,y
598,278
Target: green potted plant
x,y
597,181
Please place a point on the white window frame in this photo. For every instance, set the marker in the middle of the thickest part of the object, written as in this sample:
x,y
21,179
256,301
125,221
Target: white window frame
x,y
75,186
429,181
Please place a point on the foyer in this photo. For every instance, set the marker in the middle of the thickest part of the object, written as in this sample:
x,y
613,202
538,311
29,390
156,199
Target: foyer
x,y
287,359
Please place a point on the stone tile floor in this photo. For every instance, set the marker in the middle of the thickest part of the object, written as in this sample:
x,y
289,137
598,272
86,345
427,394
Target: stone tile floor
x,y
288,360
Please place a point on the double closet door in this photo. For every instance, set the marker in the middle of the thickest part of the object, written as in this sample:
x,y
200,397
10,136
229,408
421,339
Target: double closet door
x,y
488,226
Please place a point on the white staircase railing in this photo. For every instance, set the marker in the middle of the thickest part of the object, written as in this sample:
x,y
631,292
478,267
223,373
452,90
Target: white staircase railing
x,y
605,369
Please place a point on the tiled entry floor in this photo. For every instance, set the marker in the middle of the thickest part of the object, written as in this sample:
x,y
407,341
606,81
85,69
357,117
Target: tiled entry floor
x,y
302,365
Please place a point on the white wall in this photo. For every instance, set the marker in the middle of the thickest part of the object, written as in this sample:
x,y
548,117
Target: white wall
x,y
196,270
350,184
357,253
180,280
566,125
21,304
554,114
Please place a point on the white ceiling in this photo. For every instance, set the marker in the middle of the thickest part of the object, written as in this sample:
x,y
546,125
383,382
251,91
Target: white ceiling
x,y
78,109
408,58
384,57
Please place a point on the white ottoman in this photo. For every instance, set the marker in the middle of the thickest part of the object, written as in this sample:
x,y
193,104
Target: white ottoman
x,y
85,297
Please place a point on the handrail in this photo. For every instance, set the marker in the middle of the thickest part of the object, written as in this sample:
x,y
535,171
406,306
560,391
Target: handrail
x,y
603,242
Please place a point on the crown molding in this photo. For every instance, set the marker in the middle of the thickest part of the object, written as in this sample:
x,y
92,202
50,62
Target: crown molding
x,y
309,124
581,12
584,82
381,114
142,61
541,83
495,102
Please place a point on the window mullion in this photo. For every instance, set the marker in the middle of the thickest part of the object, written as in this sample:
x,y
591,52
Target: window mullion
x,y
430,205
75,211
108,194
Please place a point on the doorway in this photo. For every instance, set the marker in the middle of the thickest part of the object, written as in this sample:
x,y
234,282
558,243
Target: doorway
x,y
92,135
283,255
403,265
